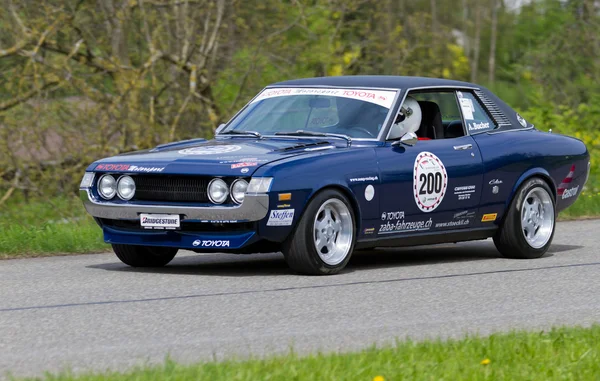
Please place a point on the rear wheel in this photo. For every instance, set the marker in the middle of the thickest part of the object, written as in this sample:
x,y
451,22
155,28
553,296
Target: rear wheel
x,y
324,238
528,228
144,256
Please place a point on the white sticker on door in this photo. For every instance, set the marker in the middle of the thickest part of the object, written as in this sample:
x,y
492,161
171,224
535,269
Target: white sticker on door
x,y
467,108
430,181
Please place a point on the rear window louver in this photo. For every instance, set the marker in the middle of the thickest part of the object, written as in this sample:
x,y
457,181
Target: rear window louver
x,y
495,112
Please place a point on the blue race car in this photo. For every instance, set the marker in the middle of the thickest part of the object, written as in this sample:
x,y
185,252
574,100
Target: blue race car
x,y
320,167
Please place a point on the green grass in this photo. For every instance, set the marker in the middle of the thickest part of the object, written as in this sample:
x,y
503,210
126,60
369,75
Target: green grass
x,y
560,354
53,226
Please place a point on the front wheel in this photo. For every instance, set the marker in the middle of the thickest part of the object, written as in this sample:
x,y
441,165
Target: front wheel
x,y
144,256
323,241
528,227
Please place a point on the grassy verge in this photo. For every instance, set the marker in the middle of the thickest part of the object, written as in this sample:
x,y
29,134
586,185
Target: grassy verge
x,y
560,354
52,226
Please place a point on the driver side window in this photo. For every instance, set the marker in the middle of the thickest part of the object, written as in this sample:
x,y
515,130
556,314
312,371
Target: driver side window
x,y
440,114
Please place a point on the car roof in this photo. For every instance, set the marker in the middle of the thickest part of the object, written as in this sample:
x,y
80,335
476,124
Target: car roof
x,y
378,81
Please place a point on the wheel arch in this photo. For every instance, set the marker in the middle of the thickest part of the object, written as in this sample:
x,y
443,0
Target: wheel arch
x,y
347,193
534,172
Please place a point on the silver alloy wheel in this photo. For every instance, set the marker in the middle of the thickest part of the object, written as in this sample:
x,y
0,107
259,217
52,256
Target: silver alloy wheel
x,y
333,231
537,217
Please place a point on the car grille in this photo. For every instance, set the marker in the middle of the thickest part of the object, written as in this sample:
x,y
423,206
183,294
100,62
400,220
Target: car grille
x,y
171,188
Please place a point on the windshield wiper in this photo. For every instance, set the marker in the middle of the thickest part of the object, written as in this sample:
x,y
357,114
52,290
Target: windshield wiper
x,y
236,132
314,133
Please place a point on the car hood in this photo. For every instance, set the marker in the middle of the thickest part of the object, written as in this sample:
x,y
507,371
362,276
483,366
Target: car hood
x,y
223,157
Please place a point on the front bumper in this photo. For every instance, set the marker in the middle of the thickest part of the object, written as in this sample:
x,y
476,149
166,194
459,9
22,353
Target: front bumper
x,y
254,208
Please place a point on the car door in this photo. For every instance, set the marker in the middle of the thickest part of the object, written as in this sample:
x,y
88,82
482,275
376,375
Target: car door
x,y
434,185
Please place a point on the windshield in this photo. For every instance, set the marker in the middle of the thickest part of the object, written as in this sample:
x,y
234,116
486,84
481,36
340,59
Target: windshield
x,y
357,113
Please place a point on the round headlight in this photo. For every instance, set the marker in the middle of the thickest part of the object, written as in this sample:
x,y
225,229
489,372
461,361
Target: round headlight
x,y
218,191
126,188
107,187
238,190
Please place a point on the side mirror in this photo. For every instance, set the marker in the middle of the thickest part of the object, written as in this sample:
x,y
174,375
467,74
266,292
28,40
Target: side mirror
x,y
220,128
409,139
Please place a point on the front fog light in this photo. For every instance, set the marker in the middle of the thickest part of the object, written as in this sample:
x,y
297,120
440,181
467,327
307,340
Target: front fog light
x,y
126,188
107,187
259,185
218,191
238,190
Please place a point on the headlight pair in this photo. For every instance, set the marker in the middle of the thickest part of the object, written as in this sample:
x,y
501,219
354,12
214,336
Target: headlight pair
x,y
218,191
108,187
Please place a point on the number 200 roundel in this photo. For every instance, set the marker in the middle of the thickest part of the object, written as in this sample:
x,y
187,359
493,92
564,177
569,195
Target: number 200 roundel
x,y
430,181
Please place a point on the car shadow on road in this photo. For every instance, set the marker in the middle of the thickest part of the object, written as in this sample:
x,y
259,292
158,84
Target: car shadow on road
x,y
274,263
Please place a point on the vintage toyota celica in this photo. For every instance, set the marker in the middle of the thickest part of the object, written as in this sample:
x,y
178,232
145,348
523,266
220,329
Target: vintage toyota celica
x,y
320,167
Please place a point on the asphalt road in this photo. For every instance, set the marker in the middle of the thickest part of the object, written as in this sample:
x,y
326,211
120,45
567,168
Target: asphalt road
x,y
92,312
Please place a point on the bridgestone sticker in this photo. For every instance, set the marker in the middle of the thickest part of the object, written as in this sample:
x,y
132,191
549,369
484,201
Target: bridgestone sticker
x,y
283,217
380,97
430,181
159,221
210,150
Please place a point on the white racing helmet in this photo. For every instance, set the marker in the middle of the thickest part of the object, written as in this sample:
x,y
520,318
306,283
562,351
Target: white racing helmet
x,y
409,119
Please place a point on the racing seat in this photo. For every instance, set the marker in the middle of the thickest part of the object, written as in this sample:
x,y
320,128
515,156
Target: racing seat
x,y
431,122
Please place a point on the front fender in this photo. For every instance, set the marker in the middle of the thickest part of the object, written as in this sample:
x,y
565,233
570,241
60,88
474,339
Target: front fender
x,y
301,178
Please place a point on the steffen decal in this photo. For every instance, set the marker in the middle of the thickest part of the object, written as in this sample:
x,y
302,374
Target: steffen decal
x,y
430,181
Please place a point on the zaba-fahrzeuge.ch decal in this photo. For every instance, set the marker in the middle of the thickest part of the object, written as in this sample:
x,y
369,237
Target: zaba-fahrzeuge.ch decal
x,y
430,181
395,224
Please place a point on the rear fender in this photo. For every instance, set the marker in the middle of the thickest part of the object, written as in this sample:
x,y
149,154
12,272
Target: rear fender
x,y
533,172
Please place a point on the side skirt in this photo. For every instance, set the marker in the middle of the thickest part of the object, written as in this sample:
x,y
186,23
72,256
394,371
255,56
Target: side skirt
x,y
429,238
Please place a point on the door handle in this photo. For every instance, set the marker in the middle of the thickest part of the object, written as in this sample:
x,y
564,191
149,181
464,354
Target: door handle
x,y
463,147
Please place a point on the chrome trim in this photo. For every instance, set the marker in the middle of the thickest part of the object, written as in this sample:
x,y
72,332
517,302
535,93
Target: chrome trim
x,y
455,87
389,119
509,130
463,147
255,207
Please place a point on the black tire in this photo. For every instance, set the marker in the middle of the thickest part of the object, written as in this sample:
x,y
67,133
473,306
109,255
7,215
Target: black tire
x,y
299,249
510,239
144,256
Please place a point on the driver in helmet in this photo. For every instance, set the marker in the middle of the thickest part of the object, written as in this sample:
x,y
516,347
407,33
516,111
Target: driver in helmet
x,y
408,119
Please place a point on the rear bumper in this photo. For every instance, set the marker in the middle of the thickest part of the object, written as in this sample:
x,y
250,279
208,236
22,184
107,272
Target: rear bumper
x,y
254,208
